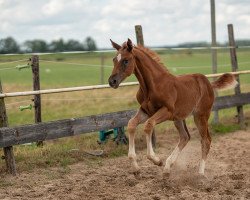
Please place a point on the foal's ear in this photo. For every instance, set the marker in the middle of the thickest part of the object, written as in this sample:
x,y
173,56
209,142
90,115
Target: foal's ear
x,y
129,45
116,46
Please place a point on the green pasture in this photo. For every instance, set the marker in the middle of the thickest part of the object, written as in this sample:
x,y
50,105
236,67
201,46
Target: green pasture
x,y
69,70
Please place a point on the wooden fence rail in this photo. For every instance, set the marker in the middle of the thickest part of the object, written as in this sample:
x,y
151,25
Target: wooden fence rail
x,y
10,136
231,101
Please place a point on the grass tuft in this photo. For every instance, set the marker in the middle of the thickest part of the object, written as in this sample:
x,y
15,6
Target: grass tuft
x,y
225,128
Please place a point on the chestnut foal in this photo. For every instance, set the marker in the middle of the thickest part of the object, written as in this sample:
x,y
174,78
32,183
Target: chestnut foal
x,y
163,96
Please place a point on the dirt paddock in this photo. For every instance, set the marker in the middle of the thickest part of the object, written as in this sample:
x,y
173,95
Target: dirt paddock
x,y
227,171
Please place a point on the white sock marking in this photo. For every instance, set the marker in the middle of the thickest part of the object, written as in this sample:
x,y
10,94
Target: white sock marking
x,y
172,158
202,167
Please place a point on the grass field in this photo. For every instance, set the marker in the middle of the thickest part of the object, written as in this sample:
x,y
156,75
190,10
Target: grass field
x,y
61,72
68,70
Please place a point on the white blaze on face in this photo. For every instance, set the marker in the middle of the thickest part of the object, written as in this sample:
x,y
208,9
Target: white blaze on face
x,y
119,57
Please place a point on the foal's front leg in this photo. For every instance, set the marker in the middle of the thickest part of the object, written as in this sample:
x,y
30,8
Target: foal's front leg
x,y
132,124
161,115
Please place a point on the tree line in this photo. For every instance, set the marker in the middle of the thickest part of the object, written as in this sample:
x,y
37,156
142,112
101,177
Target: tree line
x,y
10,45
242,42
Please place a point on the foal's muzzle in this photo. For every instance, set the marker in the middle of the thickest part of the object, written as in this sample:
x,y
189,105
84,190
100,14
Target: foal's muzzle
x,y
114,81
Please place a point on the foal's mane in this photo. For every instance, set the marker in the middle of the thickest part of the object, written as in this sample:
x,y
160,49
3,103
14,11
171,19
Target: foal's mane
x,y
151,54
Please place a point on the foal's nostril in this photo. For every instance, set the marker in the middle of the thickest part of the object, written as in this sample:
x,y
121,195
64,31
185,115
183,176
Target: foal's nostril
x,y
112,82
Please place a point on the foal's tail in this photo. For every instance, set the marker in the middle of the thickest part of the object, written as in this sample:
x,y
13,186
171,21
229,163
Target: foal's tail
x,y
224,82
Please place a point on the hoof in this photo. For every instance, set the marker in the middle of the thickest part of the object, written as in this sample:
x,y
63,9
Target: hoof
x,y
202,176
202,180
166,174
159,163
137,173
135,170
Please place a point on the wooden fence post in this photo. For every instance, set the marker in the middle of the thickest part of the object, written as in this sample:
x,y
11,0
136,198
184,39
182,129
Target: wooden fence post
x,y
139,35
214,52
36,86
8,151
234,63
102,68
140,41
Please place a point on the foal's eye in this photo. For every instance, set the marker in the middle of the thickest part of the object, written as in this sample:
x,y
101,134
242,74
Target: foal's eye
x,y
125,62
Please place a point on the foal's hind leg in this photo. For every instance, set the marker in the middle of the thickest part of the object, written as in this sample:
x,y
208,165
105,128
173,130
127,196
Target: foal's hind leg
x,y
184,138
201,122
161,115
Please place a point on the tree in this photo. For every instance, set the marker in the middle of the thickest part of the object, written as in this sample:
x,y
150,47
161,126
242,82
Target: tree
x,y
58,45
243,42
193,44
74,45
9,45
36,46
89,44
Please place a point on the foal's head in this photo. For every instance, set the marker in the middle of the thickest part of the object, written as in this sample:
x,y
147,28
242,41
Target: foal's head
x,y
124,63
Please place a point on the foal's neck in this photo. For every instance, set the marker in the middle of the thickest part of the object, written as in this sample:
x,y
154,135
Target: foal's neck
x,y
149,72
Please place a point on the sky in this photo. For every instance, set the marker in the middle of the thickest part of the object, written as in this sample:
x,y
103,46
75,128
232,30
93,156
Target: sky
x,y
164,22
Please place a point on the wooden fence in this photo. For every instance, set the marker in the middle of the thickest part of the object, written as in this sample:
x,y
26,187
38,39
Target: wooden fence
x,y
17,135
41,131
10,136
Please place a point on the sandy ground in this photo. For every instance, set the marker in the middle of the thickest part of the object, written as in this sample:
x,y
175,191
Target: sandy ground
x,y
227,171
